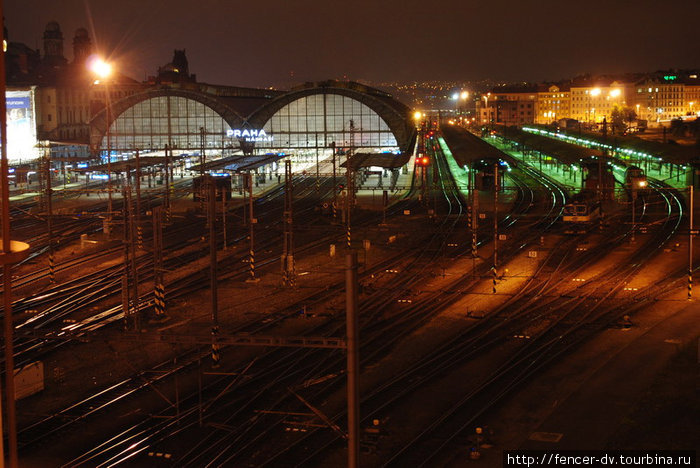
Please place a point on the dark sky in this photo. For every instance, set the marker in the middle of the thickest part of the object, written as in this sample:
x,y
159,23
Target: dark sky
x,y
264,42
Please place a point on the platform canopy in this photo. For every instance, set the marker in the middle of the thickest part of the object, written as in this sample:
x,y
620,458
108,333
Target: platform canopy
x,y
385,160
467,148
239,163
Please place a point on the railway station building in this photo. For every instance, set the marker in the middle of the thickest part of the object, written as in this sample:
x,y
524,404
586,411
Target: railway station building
x,y
307,123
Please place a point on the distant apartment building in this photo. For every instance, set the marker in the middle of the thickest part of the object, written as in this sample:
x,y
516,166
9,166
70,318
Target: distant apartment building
x,y
553,102
692,94
508,105
660,98
593,99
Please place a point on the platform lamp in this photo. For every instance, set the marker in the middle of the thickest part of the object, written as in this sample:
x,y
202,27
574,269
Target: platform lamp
x,y
102,71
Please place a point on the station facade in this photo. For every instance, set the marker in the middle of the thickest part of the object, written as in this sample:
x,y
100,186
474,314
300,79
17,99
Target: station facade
x,y
310,121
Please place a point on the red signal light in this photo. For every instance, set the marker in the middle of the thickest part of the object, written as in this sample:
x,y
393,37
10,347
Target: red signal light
x,y
423,161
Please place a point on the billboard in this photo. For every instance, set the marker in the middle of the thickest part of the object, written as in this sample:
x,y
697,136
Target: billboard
x,y
21,126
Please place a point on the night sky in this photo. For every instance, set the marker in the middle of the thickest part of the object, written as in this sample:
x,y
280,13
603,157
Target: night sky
x,y
275,42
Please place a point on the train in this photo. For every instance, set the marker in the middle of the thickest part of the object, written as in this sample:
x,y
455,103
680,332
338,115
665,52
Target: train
x,y
584,207
636,179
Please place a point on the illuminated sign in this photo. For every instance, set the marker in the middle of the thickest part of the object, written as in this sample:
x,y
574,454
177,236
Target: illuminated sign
x,y
21,129
670,77
251,135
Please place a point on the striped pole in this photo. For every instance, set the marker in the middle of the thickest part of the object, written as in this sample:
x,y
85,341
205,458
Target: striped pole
x,y
52,267
495,276
139,237
349,237
690,284
215,354
159,294
252,264
251,234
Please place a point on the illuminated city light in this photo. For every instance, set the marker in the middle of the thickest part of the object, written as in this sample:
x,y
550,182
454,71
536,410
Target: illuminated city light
x,y
100,68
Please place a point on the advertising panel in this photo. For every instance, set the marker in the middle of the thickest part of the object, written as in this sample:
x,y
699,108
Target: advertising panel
x,y
21,127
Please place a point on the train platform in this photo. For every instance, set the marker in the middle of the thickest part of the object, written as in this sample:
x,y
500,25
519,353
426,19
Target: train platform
x,y
563,174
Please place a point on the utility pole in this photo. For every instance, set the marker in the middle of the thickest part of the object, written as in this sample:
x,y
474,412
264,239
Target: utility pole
x,y
288,247
110,207
49,214
223,212
634,198
202,159
126,310
158,286
495,224
353,359
139,228
215,356
690,246
335,185
12,253
474,214
318,175
349,190
131,239
600,191
166,185
251,235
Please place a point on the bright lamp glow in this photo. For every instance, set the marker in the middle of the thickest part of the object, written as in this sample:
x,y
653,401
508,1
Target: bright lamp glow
x,y
595,91
455,96
464,95
417,115
101,68
614,92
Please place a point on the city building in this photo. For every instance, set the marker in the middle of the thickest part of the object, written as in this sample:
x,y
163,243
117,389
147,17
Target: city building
x,y
660,98
593,99
553,102
508,105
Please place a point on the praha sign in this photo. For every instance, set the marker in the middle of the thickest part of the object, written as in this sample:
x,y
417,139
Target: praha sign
x,y
251,135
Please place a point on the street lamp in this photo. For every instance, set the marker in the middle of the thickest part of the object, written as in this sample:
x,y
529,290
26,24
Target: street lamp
x,y
102,71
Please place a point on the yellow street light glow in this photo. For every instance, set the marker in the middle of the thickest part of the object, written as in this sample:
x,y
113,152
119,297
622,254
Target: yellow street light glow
x,y
464,95
101,68
614,92
595,91
417,115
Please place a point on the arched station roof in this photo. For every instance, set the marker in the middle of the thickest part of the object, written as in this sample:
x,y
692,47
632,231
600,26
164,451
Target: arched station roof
x,y
256,109
394,113
99,123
